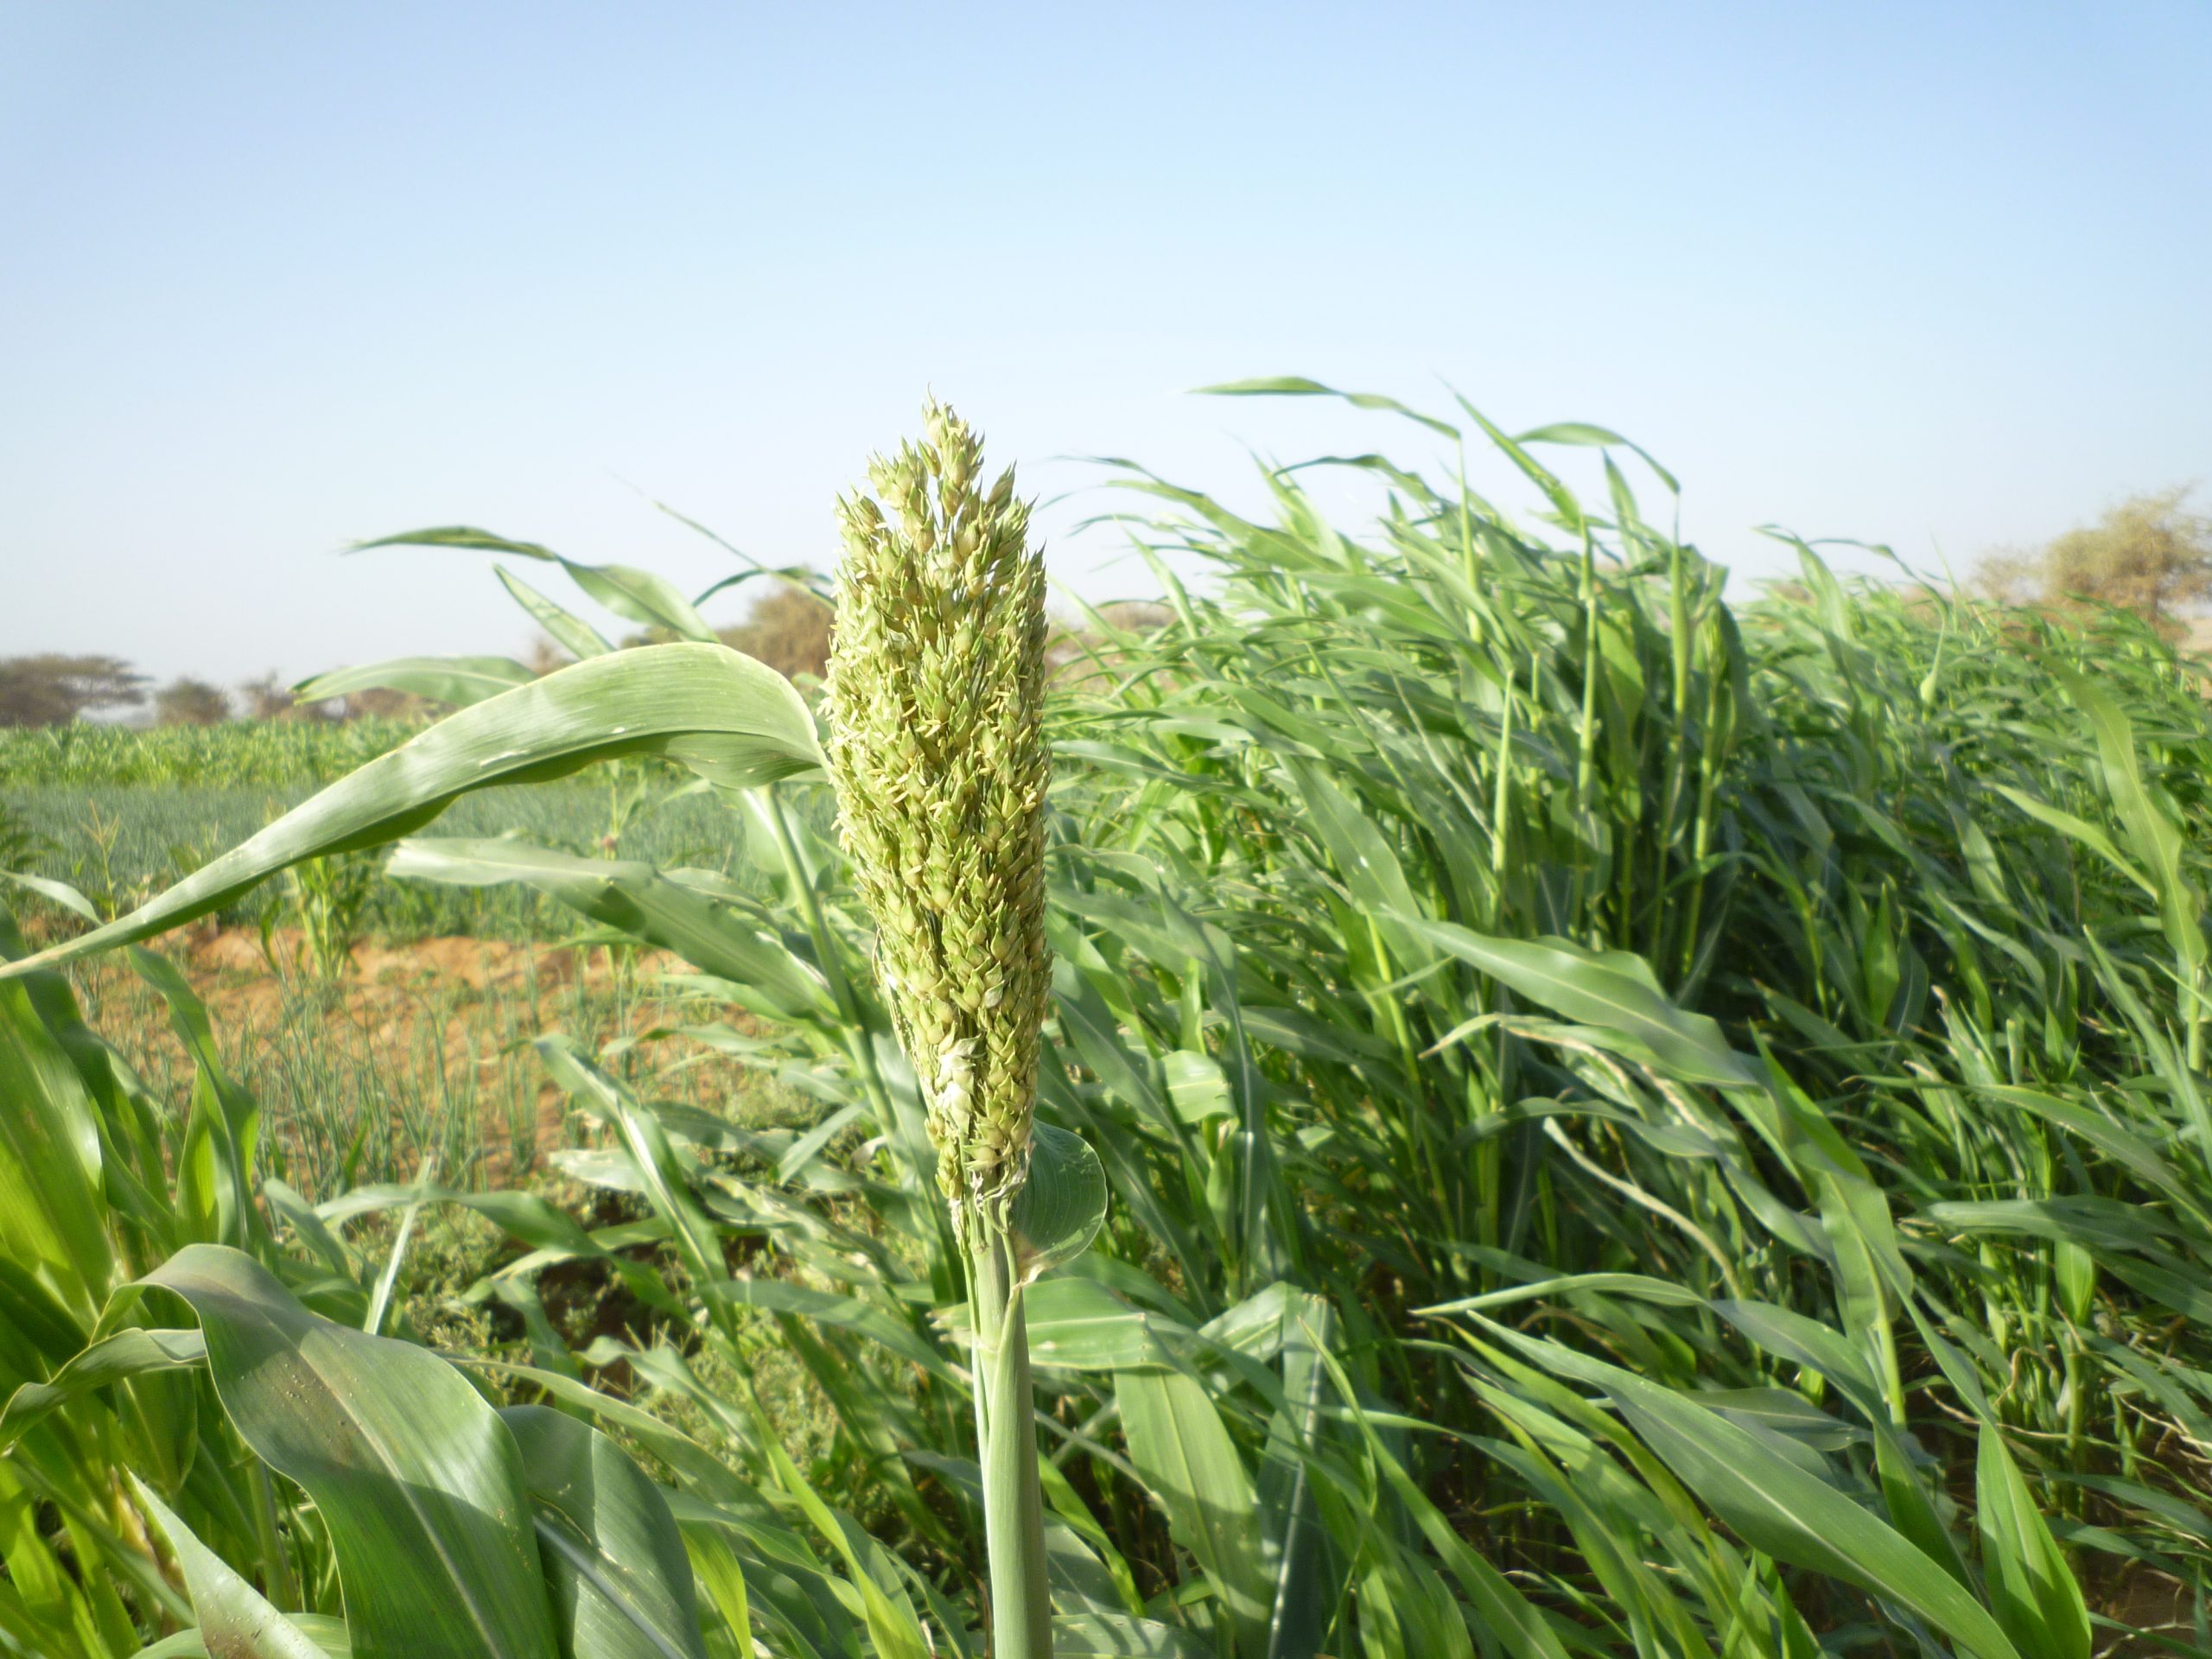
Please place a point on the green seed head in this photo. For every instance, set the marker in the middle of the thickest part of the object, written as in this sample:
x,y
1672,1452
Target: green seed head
x,y
937,748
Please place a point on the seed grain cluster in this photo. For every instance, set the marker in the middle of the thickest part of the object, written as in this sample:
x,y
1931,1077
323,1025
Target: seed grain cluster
x,y
937,748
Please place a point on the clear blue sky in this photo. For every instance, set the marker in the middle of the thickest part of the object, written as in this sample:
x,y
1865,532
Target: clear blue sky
x,y
273,276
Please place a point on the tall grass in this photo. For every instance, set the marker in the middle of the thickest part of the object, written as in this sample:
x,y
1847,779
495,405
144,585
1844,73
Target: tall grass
x,y
1635,1125
1936,868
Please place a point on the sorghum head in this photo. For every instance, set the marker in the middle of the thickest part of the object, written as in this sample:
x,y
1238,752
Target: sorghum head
x,y
937,749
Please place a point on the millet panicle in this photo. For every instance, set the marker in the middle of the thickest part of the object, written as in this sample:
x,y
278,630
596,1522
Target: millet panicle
x,y
937,752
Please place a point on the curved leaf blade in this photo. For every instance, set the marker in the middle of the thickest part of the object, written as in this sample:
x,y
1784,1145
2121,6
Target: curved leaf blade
x,y
565,628
2032,1588
1193,1469
134,1352
640,595
1119,1635
1297,386
418,1481
640,900
60,892
1062,1205
327,1634
724,716
621,1580
1779,1508
235,1621
1609,989
458,680
52,1205
464,536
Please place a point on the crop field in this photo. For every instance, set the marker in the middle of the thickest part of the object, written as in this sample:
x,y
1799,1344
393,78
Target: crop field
x,y
121,832
1577,1115
405,1053
275,754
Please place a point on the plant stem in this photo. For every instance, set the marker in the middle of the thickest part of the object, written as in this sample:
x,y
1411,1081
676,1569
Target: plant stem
x,y
276,1561
1014,1505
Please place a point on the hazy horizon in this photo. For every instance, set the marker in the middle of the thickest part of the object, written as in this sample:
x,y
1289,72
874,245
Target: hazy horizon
x,y
282,278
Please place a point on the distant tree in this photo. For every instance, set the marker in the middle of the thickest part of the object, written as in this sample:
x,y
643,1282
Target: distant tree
x,y
2148,555
545,657
788,628
187,701
268,698
387,702
53,689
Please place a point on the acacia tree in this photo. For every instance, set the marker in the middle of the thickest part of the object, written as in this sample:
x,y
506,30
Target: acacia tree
x,y
788,628
187,701
53,688
2149,555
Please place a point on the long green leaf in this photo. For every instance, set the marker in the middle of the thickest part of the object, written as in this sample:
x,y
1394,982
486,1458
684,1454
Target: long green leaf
x,y
569,630
416,1478
2030,1586
1118,1636
640,900
235,1623
328,1634
52,1209
457,680
114,1359
1192,1470
724,716
1611,989
628,592
1776,1506
621,1581
1297,386
2156,840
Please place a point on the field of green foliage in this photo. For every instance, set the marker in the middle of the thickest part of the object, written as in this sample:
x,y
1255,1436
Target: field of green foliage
x,y
1634,1123
273,755
121,815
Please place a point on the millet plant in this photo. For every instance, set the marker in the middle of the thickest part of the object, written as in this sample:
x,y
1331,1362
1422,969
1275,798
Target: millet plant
x,y
1639,1126
937,752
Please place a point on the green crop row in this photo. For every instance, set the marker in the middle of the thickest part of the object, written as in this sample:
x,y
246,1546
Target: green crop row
x,y
281,754
119,843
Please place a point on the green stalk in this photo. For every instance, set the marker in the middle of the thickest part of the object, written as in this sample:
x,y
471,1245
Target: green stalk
x,y
1680,646
1587,742
1586,751
2193,1000
1710,760
1013,1504
276,1559
935,699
